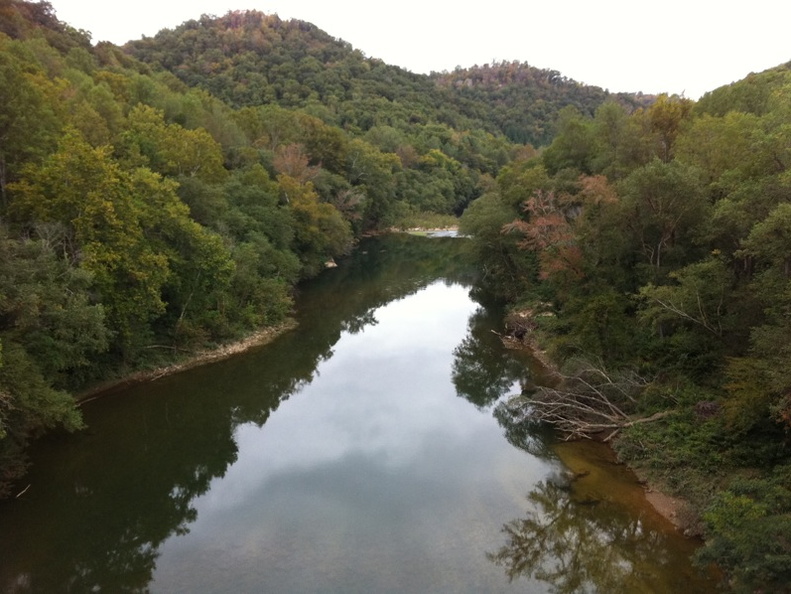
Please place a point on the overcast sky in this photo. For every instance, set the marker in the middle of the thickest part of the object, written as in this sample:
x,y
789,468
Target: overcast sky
x,y
675,46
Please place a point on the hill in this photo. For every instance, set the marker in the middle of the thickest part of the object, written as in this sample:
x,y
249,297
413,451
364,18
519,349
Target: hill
x,y
250,58
523,102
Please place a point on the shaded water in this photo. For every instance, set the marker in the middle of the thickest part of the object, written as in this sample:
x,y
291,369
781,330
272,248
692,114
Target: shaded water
x,y
362,452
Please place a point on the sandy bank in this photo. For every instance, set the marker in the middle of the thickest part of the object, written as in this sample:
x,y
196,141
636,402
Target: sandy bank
x,y
256,339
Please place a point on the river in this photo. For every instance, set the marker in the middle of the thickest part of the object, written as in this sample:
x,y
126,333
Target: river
x,y
363,451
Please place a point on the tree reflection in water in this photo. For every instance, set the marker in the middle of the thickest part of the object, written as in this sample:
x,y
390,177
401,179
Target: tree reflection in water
x,y
483,371
533,438
104,501
579,545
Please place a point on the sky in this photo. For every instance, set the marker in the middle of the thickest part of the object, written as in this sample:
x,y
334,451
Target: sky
x,y
675,46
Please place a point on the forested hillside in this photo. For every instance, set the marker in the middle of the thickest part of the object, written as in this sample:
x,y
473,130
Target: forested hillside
x,y
522,101
249,58
651,253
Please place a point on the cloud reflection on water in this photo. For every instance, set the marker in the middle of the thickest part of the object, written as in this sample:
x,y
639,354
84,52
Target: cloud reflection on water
x,y
376,462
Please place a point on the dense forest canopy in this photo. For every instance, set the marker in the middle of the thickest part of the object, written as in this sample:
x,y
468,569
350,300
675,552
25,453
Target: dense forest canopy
x,y
522,101
167,196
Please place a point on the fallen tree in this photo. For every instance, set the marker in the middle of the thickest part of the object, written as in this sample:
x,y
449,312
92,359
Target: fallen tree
x,y
587,402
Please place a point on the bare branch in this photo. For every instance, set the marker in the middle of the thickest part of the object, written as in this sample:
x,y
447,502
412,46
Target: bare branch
x,y
588,402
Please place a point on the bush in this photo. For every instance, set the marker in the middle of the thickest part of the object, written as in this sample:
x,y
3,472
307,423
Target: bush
x,y
683,452
748,533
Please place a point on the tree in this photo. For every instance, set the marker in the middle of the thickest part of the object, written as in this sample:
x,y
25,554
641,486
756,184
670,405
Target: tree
x,y
507,269
547,231
28,120
588,401
769,241
373,173
198,262
759,384
663,203
747,533
50,330
667,116
292,160
620,142
320,233
699,297
574,541
722,148
170,149
45,305
695,319
573,146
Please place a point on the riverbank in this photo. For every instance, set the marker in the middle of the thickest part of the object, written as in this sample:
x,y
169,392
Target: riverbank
x,y
204,357
676,510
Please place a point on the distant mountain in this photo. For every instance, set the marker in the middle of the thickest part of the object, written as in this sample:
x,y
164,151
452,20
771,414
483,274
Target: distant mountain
x,y
250,58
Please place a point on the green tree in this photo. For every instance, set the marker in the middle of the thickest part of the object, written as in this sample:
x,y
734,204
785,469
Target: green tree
x,y
573,146
693,318
620,142
722,148
747,533
198,262
373,173
170,149
663,205
759,385
28,120
50,329
82,189
46,307
507,269
699,297
667,117
320,232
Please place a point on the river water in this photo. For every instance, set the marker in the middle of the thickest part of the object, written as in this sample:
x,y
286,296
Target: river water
x,y
362,452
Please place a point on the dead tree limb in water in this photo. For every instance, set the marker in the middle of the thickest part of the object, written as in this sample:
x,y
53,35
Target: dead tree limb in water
x,y
590,401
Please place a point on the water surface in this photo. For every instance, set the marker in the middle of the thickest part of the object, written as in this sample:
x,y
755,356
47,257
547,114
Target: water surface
x,y
362,452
